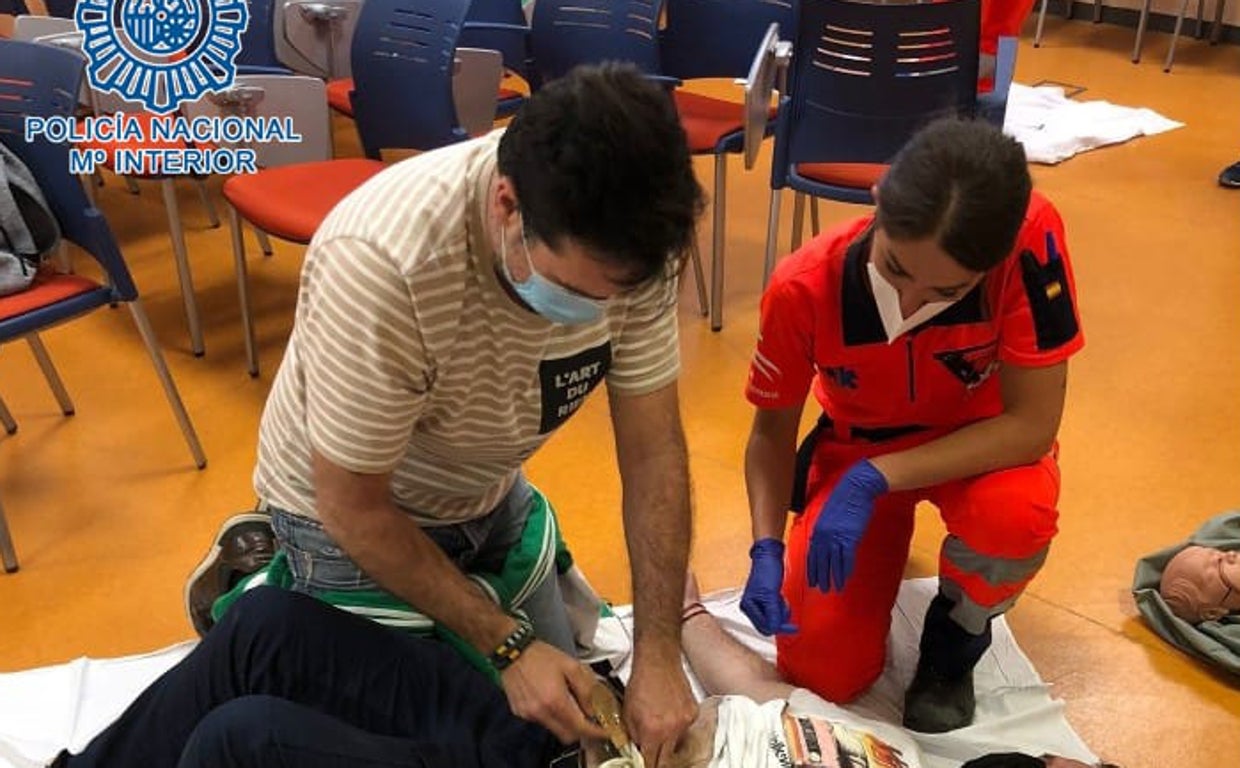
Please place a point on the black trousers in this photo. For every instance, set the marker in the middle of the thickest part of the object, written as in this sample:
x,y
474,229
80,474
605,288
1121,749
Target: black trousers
x,y
284,680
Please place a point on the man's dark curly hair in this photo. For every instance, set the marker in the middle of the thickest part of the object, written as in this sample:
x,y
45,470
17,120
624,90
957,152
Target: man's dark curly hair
x,y
599,156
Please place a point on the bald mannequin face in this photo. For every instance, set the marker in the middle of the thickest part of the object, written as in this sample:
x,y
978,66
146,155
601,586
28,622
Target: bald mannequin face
x,y
1200,584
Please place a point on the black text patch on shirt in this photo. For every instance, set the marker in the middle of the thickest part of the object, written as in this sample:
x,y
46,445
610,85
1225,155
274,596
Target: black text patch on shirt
x,y
567,380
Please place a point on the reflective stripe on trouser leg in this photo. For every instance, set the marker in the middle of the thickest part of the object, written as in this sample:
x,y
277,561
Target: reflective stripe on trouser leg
x,y
982,586
1000,525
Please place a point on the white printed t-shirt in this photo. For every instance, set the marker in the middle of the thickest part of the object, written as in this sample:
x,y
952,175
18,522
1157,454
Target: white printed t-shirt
x,y
805,730
408,356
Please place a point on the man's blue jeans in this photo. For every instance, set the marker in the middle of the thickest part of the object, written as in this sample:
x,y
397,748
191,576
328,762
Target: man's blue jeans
x,y
319,564
284,680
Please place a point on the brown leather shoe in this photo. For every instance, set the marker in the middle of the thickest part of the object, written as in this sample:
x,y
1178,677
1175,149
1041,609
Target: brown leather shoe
x,y
244,544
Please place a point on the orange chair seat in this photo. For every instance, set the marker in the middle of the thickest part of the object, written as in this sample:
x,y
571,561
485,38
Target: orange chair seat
x,y
338,95
144,119
856,175
47,289
706,119
292,200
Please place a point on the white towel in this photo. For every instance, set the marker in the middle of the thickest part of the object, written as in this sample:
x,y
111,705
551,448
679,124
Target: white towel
x,y
44,710
1015,711
1053,127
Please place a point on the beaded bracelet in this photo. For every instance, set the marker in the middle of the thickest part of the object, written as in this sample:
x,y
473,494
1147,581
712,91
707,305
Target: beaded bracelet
x,y
513,646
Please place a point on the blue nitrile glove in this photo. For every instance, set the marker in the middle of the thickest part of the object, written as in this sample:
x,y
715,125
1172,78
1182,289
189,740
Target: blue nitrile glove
x,y
761,601
840,525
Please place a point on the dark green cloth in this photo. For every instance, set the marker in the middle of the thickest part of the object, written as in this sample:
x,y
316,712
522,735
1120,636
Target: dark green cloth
x,y
1215,642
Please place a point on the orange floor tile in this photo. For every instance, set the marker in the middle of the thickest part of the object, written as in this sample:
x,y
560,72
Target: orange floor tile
x,y
109,515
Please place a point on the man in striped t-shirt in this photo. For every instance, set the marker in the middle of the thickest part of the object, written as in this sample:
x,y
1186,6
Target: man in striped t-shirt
x,y
453,312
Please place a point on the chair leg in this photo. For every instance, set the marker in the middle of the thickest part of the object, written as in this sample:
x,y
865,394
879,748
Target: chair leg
x,y
718,243
6,545
132,186
183,271
772,235
6,419
1175,36
699,277
1201,10
63,259
814,224
165,378
1142,21
1037,35
207,202
263,242
50,373
1216,29
1097,11
243,291
798,218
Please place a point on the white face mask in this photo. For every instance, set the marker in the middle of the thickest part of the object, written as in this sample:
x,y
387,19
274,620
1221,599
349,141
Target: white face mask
x,y
888,300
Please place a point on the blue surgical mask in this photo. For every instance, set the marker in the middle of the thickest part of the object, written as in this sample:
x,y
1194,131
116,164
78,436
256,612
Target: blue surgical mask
x,y
546,297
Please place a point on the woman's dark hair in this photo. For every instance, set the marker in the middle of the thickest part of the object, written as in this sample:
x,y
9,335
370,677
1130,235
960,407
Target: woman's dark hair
x,y
1006,760
963,183
599,156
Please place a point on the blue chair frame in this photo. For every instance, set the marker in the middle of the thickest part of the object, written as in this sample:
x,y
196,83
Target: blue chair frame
x,y
402,59
42,80
566,33
718,38
864,78
258,45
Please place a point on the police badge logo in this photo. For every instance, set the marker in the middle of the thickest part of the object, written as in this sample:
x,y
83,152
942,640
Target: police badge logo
x,y
161,53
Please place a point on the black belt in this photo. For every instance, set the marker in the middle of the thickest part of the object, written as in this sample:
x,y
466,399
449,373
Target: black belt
x,y
805,453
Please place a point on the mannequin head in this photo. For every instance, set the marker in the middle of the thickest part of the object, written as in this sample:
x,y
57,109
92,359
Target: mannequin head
x,y
1201,584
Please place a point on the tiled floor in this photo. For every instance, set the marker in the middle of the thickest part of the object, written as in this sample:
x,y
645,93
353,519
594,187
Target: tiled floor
x,y
109,515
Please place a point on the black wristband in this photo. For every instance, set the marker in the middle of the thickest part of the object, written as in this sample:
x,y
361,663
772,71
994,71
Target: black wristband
x,y
512,647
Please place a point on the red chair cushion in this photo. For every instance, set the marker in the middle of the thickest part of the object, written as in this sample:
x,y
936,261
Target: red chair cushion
x,y
291,201
144,119
857,175
47,289
338,95
707,119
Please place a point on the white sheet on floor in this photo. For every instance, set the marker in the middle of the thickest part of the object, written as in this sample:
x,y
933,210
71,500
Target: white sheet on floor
x,y
1015,710
45,709
1053,127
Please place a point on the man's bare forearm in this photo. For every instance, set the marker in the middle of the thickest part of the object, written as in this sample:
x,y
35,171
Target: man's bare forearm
x,y
657,524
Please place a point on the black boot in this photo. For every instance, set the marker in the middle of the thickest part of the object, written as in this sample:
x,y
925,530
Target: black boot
x,y
941,697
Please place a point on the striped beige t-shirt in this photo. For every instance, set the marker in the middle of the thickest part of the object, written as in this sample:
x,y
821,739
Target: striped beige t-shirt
x,y
407,355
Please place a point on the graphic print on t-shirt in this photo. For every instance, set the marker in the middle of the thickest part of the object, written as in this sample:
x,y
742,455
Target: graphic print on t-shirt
x,y
971,365
813,741
567,380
